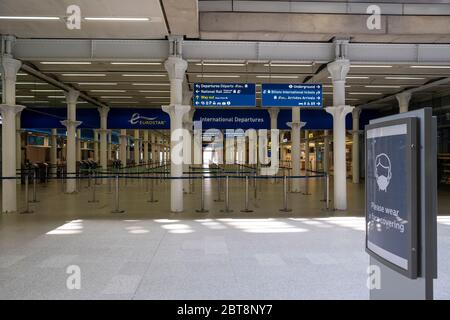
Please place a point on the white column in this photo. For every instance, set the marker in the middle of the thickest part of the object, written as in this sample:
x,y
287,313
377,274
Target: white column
x,y
338,70
95,145
252,146
187,143
128,150
78,152
295,148
137,147
326,151
103,139
109,147
273,112
9,110
403,99
18,144
71,124
54,151
355,145
176,68
145,142
307,162
123,147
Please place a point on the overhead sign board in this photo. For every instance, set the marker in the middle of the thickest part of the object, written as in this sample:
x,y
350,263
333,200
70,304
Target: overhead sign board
x,y
291,95
224,95
391,194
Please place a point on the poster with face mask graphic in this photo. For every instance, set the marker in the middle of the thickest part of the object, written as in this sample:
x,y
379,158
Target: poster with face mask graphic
x,y
390,209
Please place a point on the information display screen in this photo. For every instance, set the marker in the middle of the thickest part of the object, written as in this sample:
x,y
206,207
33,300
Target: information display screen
x,y
391,194
291,95
224,95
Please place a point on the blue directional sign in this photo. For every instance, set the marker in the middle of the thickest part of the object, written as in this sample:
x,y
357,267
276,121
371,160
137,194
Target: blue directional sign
x,y
291,95
224,95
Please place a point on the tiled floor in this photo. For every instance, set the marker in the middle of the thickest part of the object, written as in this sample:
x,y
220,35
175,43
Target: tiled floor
x,y
149,253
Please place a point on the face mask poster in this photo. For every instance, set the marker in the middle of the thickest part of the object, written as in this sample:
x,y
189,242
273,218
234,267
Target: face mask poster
x,y
391,194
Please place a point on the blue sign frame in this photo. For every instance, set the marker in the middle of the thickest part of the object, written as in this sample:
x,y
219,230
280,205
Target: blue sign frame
x,y
291,95
224,95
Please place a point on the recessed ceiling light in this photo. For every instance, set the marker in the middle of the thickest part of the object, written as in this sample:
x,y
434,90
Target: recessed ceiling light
x,y
382,86
369,66
97,83
137,63
116,97
83,74
430,67
65,62
277,77
286,65
404,78
24,96
56,97
154,91
35,101
150,84
27,18
144,75
352,99
218,76
31,83
108,90
331,86
116,19
217,64
365,93
46,90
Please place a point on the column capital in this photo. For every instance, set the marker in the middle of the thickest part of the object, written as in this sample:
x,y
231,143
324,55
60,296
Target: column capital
x,y
176,67
296,124
11,108
72,96
403,99
103,111
103,130
10,66
338,69
177,110
273,112
339,112
68,123
356,112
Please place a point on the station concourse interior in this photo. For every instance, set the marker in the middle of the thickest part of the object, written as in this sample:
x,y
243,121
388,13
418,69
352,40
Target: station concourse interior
x,y
90,150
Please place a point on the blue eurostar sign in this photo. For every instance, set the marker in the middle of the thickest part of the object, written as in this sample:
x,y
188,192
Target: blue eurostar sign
x,y
291,95
224,95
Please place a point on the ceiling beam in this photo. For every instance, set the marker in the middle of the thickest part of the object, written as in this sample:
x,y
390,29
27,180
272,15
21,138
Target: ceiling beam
x,y
38,74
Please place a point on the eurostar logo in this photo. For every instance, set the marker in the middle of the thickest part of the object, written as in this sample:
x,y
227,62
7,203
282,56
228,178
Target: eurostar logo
x,y
136,118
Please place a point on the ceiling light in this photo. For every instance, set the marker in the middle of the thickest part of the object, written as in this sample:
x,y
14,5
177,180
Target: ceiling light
x,y
27,18
430,67
144,75
331,86
46,90
22,74
97,83
137,63
369,66
108,90
123,102
56,97
32,83
404,78
24,96
353,77
218,76
83,74
351,99
221,64
65,62
116,97
365,93
277,77
116,19
286,65
382,86
150,84
154,91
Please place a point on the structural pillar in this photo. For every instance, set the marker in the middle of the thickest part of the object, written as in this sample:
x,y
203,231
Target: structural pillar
x,y
103,139
123,147
18,144
187,143
295,125
137,147
273,112
78,152
145,142
355,145
54,151
71,124
95,145
307,162
403,99
326,151
338,70
176,68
